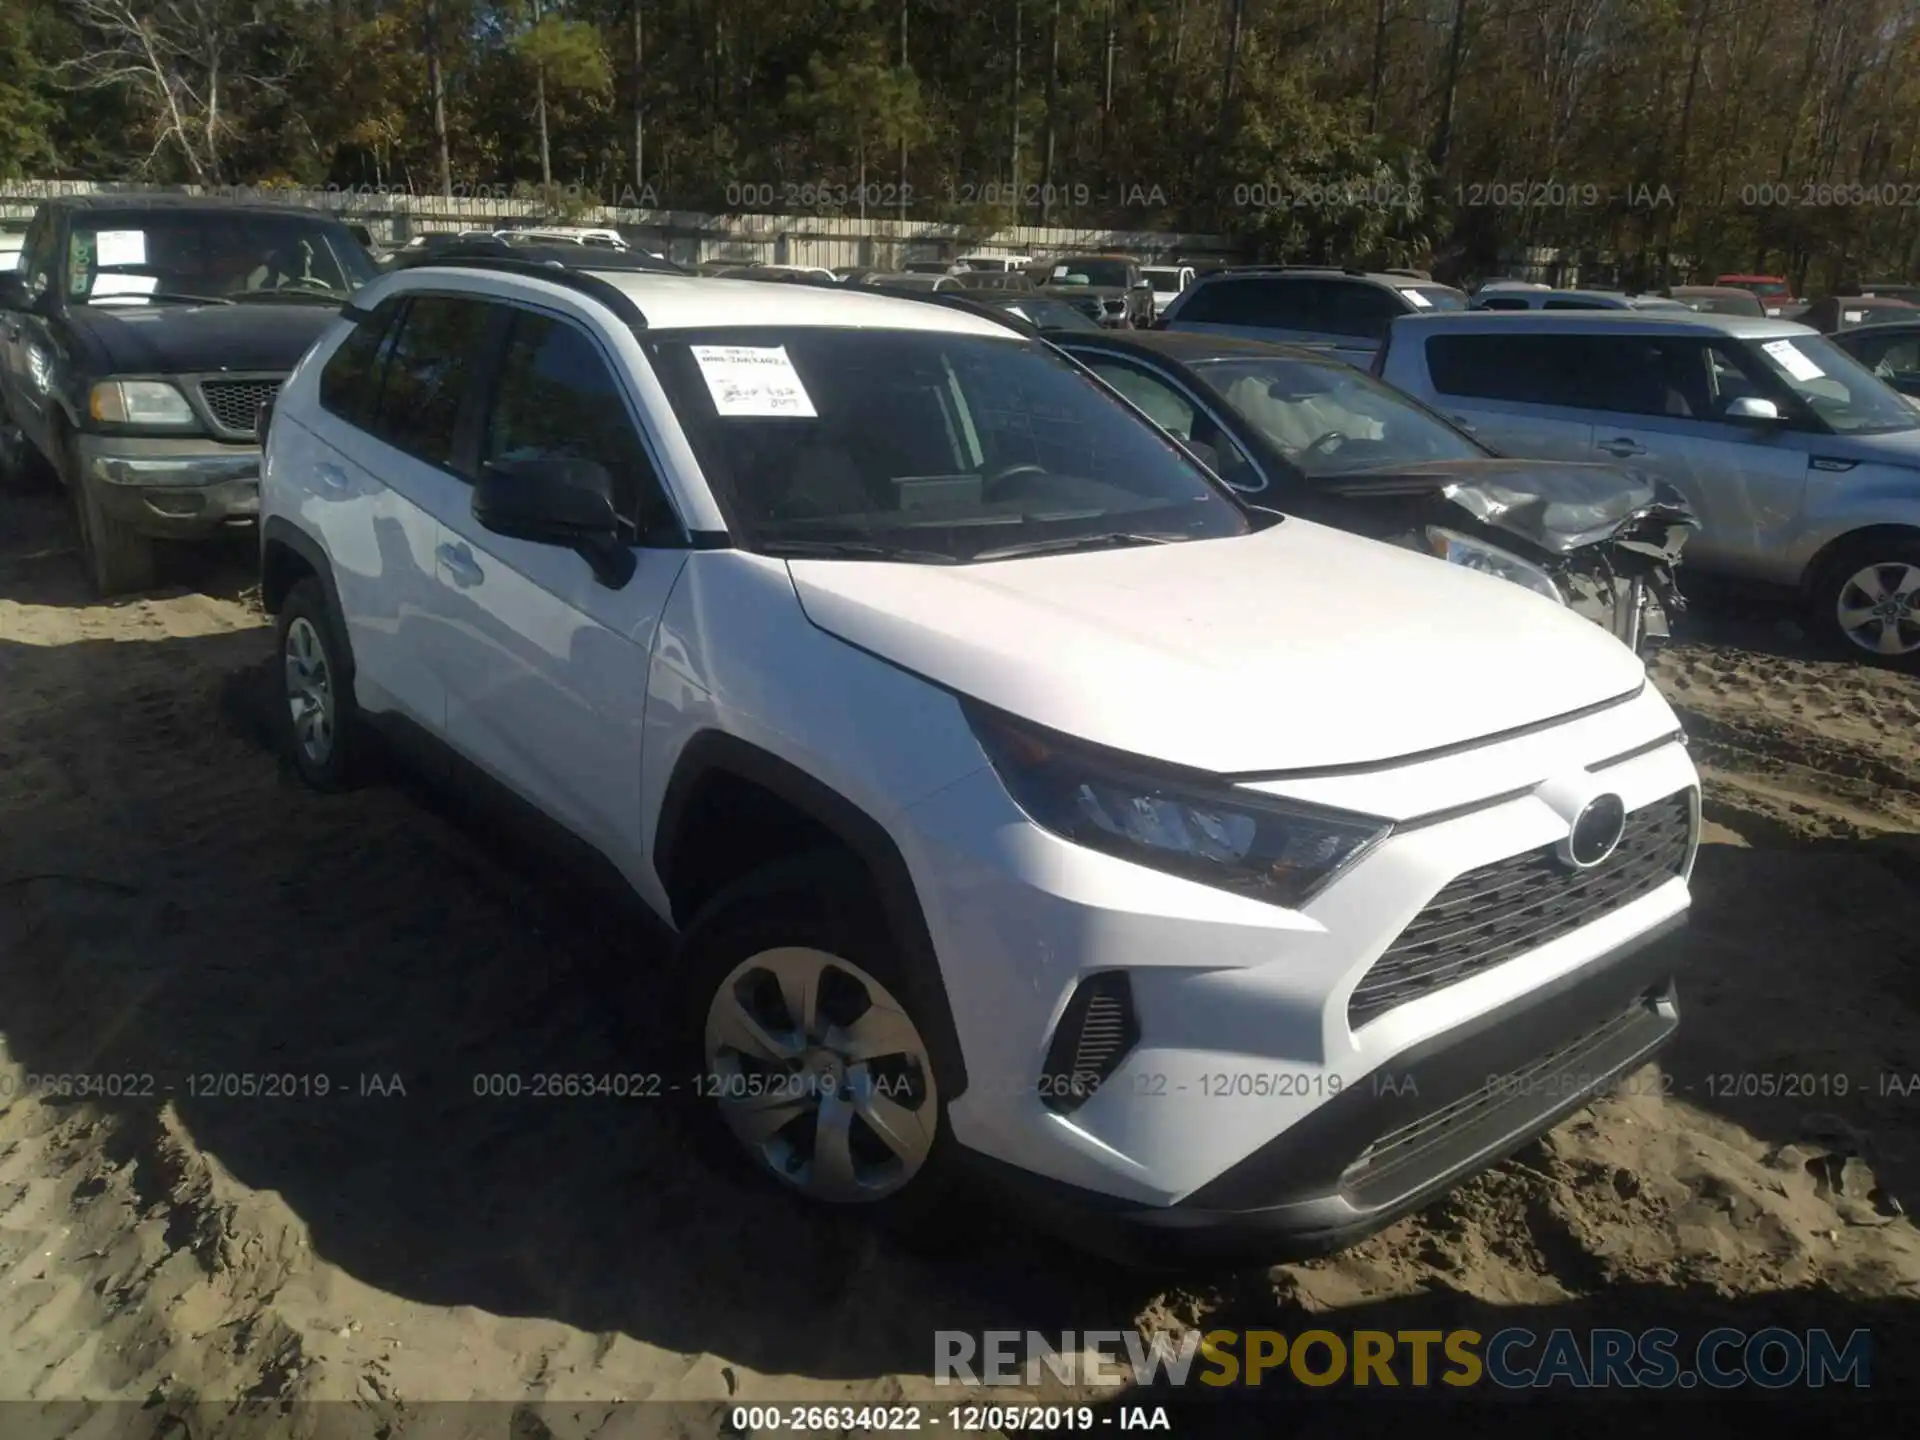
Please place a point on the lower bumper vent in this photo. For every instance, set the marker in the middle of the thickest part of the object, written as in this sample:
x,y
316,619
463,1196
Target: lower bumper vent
x,y
1095,1033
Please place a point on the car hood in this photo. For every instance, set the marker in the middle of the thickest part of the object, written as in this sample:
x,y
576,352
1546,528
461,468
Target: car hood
x,y
1557,505
1296,647
194,339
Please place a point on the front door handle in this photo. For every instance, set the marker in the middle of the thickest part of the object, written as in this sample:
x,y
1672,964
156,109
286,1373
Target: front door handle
x,y
461,565
1623,447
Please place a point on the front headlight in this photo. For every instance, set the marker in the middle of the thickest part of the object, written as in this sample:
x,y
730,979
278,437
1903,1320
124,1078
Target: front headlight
x,y
1452,546
139,402
1191,826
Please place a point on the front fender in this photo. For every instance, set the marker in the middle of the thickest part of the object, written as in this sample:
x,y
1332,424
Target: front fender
x,y
1841,502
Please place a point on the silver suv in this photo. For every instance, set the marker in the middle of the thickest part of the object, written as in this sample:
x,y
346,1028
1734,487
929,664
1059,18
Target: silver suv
x,y
1346,311
1803,467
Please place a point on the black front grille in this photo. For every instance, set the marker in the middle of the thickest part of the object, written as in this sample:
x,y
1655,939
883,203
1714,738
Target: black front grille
x,y
1492,914
1542,1081
1096,1031
235,404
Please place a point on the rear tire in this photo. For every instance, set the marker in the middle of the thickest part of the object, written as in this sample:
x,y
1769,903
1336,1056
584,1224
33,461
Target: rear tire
x,y
841,1104
119,560
1865,600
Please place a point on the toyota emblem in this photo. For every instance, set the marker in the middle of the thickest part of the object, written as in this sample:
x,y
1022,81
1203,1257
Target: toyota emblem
x,y
1595,832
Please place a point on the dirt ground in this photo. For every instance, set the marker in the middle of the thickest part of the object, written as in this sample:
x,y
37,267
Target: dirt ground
x,y
171,906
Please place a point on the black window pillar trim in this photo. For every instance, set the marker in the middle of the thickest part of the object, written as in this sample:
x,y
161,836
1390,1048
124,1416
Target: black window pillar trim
x,y
714,752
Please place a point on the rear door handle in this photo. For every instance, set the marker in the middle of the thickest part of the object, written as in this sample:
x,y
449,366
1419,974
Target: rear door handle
x,y
461,565
1623,447
331,476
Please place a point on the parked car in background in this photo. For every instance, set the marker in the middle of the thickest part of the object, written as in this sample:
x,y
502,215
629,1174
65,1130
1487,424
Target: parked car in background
x,y
998,771
1497,285
1298,431
1041,311
1347,310
1167,281
1774,292
1719,300
854,274
996,280
930,267
911,280
1831,314
1530,299
1802,466
994,264
1891,290
142,335
1890,349
528,247
1107,288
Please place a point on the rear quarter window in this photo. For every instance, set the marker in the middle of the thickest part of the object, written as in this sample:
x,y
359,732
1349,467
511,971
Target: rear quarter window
x,y
1525,369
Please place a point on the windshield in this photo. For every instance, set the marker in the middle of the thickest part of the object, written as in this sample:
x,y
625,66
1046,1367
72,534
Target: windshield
x,y
1112,273
219,255
1162,278
1835,386
1330,419
924,445
1049,314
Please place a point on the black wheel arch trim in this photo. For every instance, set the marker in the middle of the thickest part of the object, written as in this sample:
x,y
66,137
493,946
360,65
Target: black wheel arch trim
x,y
714,752
278,530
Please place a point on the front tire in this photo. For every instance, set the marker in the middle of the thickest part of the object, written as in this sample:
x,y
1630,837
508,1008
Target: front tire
x,y
317,721
810,1067
1866,600
119,559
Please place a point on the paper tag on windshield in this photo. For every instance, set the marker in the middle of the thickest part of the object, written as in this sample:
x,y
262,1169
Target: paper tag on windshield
x,y
1419,301
753,380
120,247
1016,310
1059,272
1854,317
1792,361
111,285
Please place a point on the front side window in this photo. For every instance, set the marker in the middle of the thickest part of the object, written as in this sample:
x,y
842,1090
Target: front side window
x,y
432,365
1351,308
925,445
1844,395
556,398
1331,419
350,380
148,256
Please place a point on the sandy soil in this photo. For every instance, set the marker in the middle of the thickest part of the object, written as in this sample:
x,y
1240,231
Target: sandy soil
x,y
172,906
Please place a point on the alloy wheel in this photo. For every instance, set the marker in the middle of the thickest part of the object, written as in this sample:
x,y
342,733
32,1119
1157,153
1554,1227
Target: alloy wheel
x,y
821,1075
309,682
1878,608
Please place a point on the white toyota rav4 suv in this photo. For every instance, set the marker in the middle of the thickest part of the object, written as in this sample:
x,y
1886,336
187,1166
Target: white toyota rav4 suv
x,y
1027,809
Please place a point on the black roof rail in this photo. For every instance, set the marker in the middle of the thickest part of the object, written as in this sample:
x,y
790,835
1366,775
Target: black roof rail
x,y
955,301
608,294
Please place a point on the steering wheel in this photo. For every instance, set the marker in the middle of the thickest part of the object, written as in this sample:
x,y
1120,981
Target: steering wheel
x,y
999,478
1324,444
304,282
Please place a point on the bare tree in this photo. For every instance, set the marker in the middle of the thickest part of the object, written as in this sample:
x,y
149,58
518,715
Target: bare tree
x,y
186,61
437,95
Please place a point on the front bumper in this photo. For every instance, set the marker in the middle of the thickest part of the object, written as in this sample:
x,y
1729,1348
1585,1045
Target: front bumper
x,y
1402,1136
1263,1034
173,488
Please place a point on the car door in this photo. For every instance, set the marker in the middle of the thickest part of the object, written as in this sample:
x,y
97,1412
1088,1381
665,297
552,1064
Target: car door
x,y
1175,408
1516,392
1660,408
26,369
380,488
546,664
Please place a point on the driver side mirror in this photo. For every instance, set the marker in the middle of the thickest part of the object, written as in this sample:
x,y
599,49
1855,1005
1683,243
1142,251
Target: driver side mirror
x,y
560,501
1753,408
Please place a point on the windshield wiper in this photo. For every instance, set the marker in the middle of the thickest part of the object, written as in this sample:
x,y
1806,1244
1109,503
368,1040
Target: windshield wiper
x,y
1105,540
829,549
179,297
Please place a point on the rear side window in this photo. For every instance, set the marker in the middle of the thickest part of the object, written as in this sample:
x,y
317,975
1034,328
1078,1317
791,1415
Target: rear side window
x,y
1351,308
428,373
350,380
1525,369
